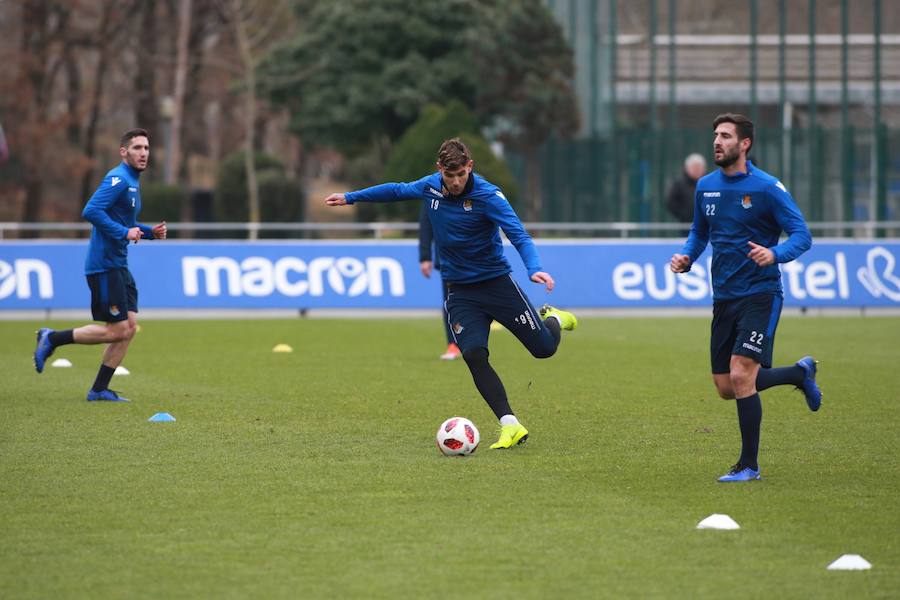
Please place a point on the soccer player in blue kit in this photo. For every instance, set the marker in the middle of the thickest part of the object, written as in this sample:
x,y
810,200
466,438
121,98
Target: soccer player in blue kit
x,y
742,211
113,211
466,211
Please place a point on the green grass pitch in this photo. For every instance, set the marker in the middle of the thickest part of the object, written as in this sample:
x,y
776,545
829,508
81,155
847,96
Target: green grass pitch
x,y
314,474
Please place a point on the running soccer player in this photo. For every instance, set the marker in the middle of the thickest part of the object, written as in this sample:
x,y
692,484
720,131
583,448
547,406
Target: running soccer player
x,y
113,211
742,211
465,212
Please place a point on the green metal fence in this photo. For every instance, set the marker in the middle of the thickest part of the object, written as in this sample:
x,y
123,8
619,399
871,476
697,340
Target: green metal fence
x,y
834,174
814,86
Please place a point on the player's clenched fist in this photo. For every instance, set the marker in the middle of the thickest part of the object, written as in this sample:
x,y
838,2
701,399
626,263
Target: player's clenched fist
x,y
336,200
680,263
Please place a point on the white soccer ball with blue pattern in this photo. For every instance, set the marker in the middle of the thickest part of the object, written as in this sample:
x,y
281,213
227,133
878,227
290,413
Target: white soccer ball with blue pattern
x,y
458,436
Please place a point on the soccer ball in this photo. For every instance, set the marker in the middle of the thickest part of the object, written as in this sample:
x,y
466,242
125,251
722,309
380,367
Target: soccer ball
x,y
457,437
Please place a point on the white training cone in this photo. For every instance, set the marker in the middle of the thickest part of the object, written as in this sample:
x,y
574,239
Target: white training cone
x,y
120,370
61,362
718,522
282,348
850,562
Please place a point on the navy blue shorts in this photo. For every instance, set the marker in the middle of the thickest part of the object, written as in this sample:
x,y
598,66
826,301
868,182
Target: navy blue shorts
x,y
746,327
472,306
113,295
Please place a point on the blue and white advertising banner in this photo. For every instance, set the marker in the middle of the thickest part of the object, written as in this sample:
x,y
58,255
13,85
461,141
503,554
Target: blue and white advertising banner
x,y
375,274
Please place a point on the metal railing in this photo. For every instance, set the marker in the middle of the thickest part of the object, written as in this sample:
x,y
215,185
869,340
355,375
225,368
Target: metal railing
x,y
384,230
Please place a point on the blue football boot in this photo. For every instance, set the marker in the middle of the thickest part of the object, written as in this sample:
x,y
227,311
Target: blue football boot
x,y
43,350
809,386
105,396
740,473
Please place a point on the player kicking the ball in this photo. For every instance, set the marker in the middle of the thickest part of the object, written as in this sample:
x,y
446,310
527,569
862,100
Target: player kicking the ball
x,y
465,211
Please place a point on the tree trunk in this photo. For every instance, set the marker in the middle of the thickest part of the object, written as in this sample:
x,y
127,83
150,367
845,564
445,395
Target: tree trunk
x,y
73,95
250,155
249,116
32,78
34,190
146,109
104,40
173,159
90,134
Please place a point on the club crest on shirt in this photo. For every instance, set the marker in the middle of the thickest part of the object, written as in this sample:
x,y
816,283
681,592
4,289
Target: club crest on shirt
x,y
745,202
467,205
114,310
457,328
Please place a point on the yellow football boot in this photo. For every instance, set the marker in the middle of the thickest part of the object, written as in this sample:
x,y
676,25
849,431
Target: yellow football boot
x,y
566,319
510,435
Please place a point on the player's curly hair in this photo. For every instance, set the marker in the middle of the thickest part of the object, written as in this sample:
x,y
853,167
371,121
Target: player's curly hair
x,y
453,154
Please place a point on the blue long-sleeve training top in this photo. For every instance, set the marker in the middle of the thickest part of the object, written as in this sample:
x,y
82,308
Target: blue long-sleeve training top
x,y
113,210
465,227
729,212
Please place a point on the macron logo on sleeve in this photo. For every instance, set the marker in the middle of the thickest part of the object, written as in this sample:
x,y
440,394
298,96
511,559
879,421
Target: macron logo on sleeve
x,y
115,181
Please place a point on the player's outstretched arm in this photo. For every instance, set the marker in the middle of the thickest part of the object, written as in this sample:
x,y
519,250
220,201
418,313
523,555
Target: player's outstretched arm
x,y
336,200
545,279
680,263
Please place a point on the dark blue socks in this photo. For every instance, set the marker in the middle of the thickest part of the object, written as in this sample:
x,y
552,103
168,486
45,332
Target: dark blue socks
x,y
61,338
767,378
103,376
749,411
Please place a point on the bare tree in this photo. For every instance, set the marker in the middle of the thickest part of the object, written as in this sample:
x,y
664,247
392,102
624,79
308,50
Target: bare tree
x,y
173,158
146,102
102,40
258,27
70,72
53,97
44,23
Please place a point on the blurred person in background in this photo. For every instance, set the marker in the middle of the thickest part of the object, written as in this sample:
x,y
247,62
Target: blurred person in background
x,y
428,266
680,199
466,213
113,211
742,211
